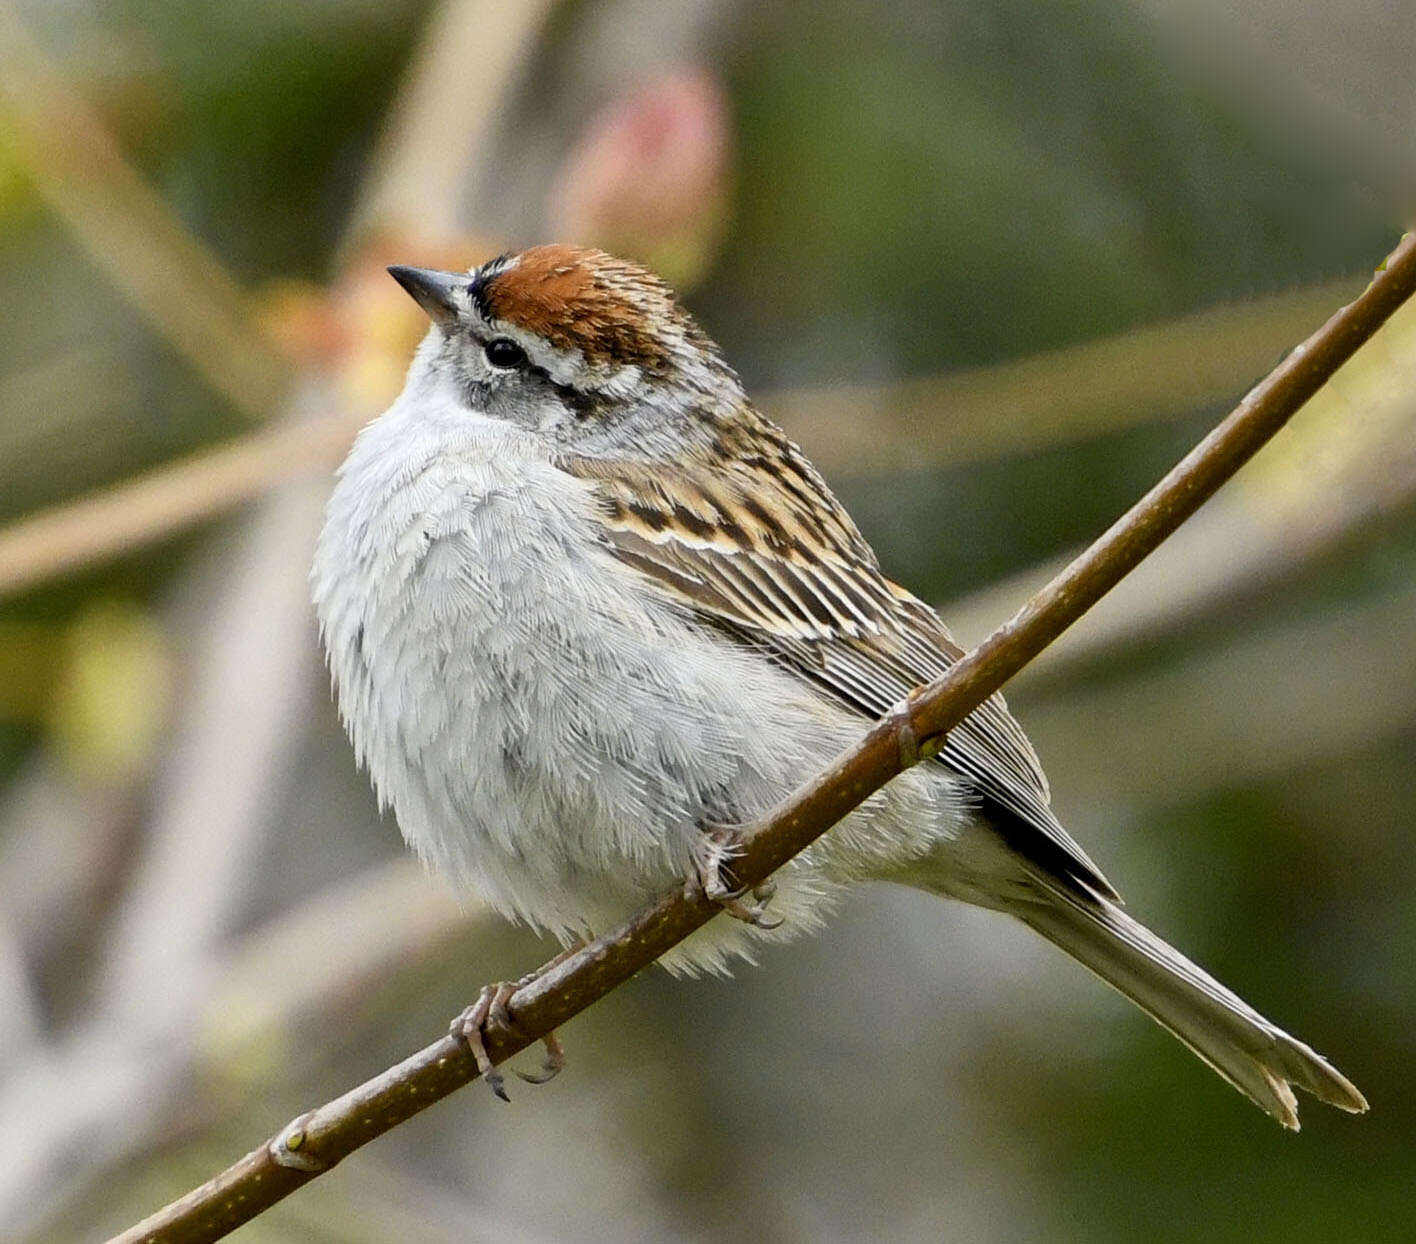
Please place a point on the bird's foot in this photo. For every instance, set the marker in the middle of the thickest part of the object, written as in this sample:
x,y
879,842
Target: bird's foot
x,y
491,1008
720,846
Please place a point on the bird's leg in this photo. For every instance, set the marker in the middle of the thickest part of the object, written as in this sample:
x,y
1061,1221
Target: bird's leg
x,y
720,844
491,1007
471,1027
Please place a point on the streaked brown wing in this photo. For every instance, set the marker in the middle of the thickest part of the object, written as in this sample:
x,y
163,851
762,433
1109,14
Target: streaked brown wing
x,y
763,548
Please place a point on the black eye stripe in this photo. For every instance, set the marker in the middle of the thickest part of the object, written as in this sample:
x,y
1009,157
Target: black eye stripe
x,y
504,354
583,404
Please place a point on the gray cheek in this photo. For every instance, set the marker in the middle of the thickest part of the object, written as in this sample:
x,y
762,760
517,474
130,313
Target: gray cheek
x,y
477,386
509,398
652,430
476,395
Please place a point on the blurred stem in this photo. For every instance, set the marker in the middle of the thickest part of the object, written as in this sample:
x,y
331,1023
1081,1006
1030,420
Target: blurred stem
x,y
269,1001
1253,708
170,499
914,730
1050,399
1151,373
129,232
91,1096
1346,467
443,118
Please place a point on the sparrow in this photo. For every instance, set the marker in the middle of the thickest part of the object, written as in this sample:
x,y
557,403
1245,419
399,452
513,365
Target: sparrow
x,y
585,609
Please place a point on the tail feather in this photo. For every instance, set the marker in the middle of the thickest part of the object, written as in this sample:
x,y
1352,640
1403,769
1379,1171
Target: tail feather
x,y
1255,1056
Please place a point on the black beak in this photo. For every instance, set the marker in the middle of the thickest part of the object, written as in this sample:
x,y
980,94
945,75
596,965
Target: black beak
x,y
432,290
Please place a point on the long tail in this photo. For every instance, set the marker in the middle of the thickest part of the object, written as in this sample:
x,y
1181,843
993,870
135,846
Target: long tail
x,y
1256,1057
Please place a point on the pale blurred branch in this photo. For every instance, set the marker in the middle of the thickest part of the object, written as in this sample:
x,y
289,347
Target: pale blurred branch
x,y
122,1093
314,1142
1150,373
1223,560
169,499
1346,467
438,132
436,140
1255,707
94,1095
353,935
129,232
1050,399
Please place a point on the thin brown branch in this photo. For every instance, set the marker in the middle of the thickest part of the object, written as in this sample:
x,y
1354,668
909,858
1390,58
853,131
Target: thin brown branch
x,y
314,1142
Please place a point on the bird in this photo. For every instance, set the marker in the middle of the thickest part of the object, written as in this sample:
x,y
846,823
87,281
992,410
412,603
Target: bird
x,y
586,610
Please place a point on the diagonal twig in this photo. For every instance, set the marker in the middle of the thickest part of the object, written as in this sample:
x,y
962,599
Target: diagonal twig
x,y
315,1141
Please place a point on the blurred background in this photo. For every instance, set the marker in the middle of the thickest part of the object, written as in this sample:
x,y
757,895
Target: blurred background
x,y
995,265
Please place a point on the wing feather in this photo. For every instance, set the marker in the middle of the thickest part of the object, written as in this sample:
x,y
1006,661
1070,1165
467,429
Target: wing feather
x,y
765,551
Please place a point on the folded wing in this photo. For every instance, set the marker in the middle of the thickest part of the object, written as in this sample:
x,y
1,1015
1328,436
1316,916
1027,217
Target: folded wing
x,y
761,548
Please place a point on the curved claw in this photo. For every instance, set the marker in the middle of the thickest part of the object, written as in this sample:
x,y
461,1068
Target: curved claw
x,y
750,913
553,1064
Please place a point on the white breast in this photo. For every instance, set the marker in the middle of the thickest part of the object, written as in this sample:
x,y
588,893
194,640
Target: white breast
x,y
543,726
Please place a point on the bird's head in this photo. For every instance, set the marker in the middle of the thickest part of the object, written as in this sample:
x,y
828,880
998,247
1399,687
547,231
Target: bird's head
x,y
591,352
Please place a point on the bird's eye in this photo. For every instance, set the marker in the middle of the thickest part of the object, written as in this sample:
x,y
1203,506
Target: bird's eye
x,y
504,352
